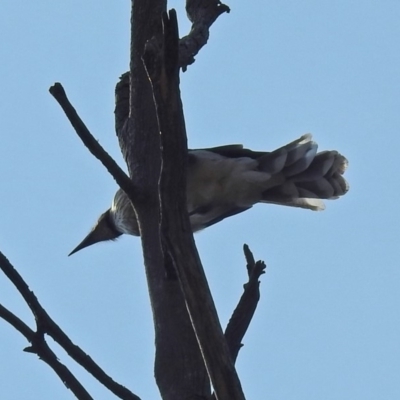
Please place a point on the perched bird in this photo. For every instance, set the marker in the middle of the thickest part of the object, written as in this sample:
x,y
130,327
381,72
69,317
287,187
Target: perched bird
x,y
227,180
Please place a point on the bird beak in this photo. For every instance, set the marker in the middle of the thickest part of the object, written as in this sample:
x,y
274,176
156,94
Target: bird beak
x,y
103,230
90,239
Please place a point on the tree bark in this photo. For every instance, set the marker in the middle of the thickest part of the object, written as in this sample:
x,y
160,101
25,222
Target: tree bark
x,y
161,59
179,367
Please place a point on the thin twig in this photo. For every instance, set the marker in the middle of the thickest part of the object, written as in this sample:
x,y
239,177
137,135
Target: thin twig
x,y
90,142
41,348
46,325
244,311
17,323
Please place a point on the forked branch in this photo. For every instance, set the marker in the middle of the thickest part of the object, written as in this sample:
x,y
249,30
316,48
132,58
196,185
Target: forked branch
x,y
46,325
244,311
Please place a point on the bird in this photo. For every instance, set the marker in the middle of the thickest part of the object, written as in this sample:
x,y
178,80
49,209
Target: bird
x,y
227,180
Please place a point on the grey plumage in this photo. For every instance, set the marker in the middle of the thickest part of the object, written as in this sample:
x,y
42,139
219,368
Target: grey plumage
x,y
224,181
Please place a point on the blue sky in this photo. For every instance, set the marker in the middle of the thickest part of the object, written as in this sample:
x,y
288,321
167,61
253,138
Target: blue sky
x,y
327,326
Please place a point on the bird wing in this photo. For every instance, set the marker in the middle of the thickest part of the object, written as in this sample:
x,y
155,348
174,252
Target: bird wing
x,y
233,151
206,216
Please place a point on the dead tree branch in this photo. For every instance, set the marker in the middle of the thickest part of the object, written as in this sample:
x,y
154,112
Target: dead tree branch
x,y
42,350
179,367
17,323
90,142
244,311
202,14
177,238
46,325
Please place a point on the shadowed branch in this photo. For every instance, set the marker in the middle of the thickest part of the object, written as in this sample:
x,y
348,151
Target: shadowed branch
x,y
244,311
90,142
202,14
161,62
45,325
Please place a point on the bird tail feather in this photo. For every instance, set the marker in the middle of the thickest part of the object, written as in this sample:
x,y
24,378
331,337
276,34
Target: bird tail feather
x,y
301,177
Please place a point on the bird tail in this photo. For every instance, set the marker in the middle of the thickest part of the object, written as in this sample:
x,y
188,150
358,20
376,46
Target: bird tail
x,y
301,177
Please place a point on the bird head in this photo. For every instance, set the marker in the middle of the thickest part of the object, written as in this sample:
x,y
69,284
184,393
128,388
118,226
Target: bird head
x,y
104,229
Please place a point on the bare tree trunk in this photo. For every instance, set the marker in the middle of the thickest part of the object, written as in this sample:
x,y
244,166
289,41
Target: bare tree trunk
x,y
179,367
